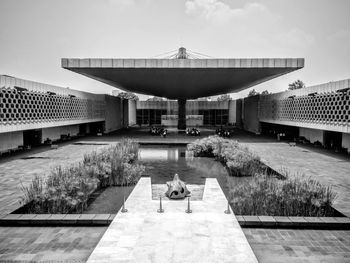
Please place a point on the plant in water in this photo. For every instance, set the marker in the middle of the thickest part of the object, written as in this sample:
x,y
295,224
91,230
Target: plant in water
x,y
239,160
68,189
265,195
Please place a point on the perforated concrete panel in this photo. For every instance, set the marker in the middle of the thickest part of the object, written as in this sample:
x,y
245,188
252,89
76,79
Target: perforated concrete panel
x,y
331,109
22,107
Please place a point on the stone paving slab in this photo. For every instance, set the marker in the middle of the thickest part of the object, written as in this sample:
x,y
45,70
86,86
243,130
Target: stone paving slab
x,y
308,246
48,244
143,235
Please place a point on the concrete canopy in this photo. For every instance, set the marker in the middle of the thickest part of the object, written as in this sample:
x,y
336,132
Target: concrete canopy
x,y
183,78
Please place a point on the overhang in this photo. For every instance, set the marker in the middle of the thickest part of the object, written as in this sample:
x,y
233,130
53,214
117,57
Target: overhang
x,y
183,78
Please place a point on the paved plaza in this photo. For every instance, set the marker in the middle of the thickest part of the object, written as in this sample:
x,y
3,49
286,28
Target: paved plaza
x,y
75,244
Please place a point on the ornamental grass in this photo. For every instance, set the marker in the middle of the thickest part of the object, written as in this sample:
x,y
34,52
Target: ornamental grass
x,y
262,194
68,189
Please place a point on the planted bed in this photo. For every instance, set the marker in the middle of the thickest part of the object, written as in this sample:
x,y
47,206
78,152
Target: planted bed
x,y
100,183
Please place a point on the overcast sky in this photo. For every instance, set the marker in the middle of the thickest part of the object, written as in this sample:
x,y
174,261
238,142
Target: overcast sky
x,y
36,34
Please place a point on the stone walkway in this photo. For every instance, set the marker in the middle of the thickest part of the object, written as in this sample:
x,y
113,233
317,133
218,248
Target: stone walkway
x,y
143,235
48,244
290,246
327,169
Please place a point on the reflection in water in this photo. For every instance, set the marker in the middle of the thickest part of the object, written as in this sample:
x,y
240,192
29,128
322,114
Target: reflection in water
x,y
162,154
163,162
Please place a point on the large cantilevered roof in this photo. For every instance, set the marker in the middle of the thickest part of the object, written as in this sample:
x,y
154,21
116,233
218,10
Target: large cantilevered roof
x,y
183,78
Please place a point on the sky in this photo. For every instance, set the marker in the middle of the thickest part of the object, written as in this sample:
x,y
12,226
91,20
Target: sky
x,y
36,34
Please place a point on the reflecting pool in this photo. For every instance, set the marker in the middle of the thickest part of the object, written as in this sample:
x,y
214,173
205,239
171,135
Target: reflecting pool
x,y
162,162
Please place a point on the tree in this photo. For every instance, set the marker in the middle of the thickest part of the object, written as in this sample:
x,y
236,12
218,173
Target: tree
x,y
155,98
224,97
265,92
128,95
253,92
298,84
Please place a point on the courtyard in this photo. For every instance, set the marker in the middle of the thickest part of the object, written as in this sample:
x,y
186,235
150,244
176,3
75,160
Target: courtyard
x,y
207,131
77,243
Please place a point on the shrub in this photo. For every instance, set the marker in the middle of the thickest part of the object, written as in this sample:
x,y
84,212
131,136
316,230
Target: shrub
x,y
266,195
237,158
205,147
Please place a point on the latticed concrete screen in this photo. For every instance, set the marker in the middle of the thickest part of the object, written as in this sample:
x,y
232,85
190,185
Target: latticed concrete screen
x,y
330,108
21,107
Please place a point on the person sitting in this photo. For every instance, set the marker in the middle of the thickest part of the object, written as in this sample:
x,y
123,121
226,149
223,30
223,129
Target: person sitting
x,y
163,133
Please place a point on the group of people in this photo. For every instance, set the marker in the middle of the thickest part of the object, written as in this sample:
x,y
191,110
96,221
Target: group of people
x,y
222,132
189,131
158,131
193,132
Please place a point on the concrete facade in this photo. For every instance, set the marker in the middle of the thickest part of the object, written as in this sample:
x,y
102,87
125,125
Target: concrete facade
x,y
320,112
323,107
114,117
26,105
197,112
250,113
32,110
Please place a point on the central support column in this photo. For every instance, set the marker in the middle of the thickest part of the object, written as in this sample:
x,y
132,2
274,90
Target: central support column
x,y
181,124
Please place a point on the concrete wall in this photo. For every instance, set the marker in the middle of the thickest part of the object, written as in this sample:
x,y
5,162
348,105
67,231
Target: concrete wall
x,y
312,135
232,110
11,82
251,114
239,112
55,133
191,120
10,140
114,114
125,112
132,112
346,141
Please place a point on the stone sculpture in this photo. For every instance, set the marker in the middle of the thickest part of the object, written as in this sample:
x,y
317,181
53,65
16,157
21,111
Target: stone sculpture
x,y
177,189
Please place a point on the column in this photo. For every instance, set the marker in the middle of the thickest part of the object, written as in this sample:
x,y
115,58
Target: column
x,y
181,125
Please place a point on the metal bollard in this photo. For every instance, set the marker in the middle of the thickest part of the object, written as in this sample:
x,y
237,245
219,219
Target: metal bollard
x,y
188,210
227,211
124,210
160,210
